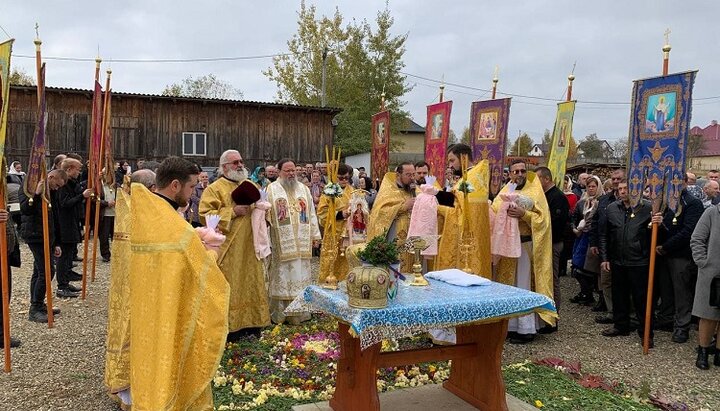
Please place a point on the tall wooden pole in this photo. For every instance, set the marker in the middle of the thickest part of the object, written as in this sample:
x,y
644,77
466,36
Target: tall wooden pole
x,y
46,194
495,82
653,239
5,278
88,201
105,124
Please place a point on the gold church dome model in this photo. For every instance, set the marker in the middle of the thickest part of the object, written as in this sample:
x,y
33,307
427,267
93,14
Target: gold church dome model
x,y
367,287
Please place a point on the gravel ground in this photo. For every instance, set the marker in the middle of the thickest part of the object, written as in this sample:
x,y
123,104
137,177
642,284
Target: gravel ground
x,y
62,368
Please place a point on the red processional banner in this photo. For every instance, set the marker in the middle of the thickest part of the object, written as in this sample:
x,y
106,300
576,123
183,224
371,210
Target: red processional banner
x,y
437,130
380,145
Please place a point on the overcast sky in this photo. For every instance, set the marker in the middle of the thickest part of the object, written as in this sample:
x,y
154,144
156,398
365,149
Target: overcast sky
x,y
534,43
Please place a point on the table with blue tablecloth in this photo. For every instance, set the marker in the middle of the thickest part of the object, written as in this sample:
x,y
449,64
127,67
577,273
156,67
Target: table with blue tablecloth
x,y
480,314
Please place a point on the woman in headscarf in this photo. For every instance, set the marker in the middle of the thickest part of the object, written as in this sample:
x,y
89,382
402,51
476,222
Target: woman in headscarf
x,y
568,237
15,179
258,177
586,266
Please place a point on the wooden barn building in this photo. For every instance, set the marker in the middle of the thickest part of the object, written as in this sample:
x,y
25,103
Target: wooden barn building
x,y
153,127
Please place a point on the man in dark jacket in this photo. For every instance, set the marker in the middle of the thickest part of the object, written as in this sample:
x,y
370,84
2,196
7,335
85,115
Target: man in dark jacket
x,y
32,233
605,281
624,250
69,196
676,272
12,248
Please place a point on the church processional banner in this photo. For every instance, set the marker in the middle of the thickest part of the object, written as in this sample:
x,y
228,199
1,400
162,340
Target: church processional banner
x,y
562,132
488,131
36,170
380,145
5,52
659,127
437,130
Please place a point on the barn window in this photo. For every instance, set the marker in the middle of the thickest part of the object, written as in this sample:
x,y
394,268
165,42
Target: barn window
x,y
194,144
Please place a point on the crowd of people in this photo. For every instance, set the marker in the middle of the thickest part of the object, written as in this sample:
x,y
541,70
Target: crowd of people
x,y
268,223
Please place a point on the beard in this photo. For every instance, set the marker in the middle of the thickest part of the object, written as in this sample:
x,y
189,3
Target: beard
x,y
290,185
237,176
457,172
180,200
420,181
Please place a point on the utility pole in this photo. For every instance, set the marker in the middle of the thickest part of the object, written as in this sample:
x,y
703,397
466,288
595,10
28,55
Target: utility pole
x,y
323,100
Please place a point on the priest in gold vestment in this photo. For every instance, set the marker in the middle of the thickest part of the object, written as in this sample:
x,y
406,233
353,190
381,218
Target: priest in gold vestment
x,y
331,260
249,308
294,230
178,298
391,211
453,250
117,347
533,270
117,352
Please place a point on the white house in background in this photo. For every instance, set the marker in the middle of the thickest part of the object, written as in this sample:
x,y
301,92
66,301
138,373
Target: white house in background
x,y
539,150
359,160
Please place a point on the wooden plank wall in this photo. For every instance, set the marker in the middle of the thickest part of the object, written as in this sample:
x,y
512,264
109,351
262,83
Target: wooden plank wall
x,y
151,127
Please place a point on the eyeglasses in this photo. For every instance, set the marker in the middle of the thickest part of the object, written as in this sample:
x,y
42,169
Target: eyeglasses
x,y
344,178
236,162
518,171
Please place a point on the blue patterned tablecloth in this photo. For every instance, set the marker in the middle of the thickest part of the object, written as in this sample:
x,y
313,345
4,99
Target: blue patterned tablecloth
x,y
418,309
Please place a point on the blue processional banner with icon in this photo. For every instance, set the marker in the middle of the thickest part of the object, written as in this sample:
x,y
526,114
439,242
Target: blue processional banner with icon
x,y
659,127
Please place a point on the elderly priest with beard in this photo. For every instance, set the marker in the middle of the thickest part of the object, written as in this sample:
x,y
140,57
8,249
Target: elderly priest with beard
x,y
294,231
249,308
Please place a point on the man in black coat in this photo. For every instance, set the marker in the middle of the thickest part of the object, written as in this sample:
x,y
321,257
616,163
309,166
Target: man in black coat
x,y
605,280
32,233
69,196
12,248
675,269
624,251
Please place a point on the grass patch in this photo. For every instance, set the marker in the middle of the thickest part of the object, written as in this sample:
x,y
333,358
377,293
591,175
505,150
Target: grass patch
x,y
556,391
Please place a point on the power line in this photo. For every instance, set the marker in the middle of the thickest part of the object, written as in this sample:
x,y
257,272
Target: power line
x,y
266,56
188,60
6,33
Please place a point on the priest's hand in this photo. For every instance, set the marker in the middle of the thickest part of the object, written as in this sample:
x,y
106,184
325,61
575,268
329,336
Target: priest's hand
x,y
345,213
409,203
517,212
241,210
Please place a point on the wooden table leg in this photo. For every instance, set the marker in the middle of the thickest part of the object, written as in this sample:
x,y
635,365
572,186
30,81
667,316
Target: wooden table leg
x,y
478,380
356,380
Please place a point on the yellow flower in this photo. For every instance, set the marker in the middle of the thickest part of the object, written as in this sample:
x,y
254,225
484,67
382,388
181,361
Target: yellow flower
x,y
432,368
539,404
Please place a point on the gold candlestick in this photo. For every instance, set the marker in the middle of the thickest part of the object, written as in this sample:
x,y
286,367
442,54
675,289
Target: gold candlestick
x,y
419,244
331,282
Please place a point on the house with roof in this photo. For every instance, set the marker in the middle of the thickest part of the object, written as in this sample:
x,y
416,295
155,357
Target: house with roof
x,y
706,155
154,127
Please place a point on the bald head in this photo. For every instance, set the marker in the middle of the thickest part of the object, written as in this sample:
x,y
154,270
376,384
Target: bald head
x,y
144,177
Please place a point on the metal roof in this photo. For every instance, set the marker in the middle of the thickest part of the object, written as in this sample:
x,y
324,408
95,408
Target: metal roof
x,y
193,99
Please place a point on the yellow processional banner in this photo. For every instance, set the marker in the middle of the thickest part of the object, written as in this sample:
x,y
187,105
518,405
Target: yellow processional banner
x,y
562,133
